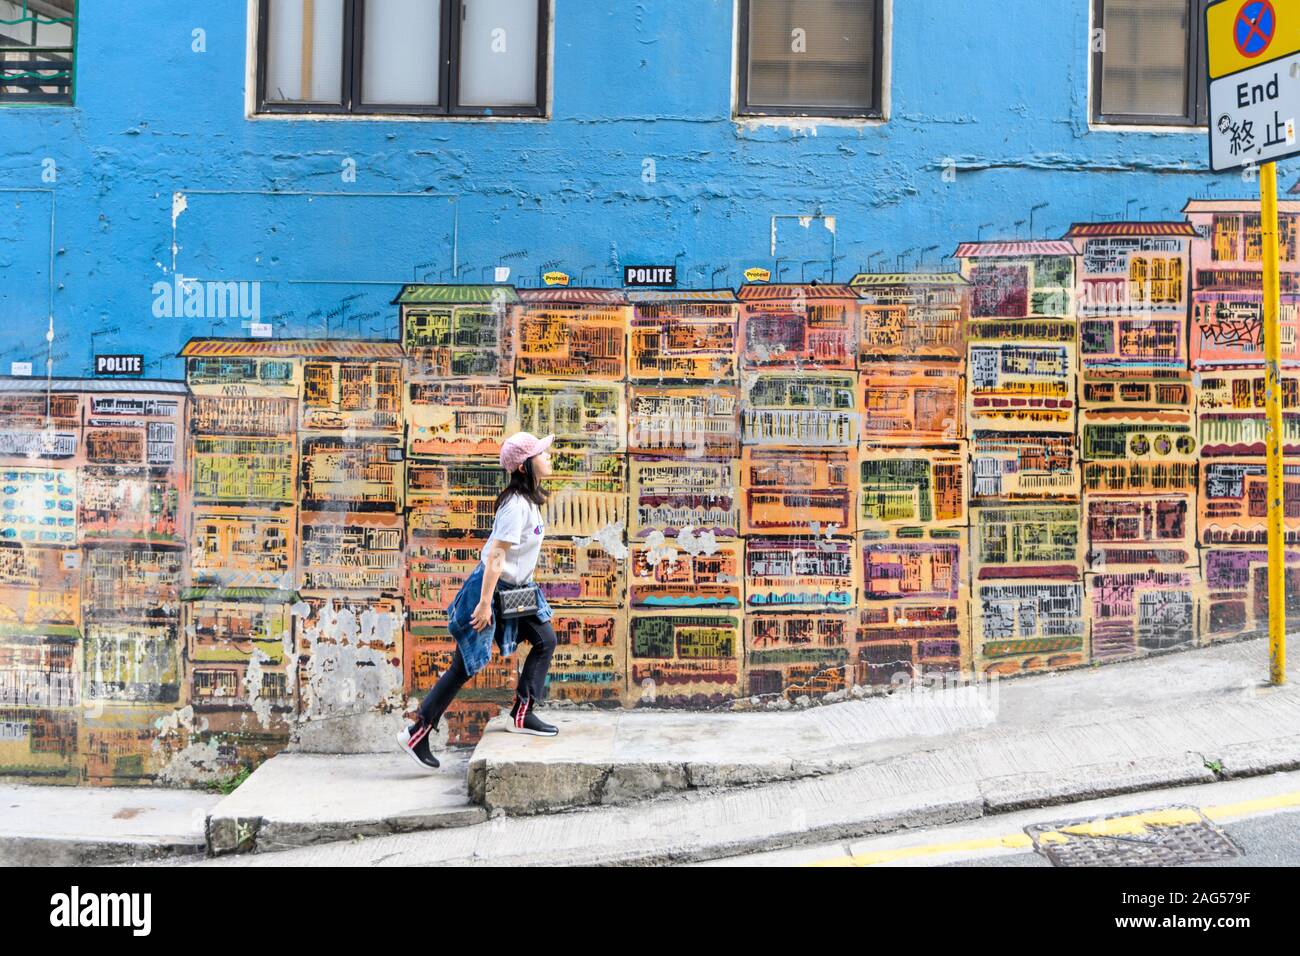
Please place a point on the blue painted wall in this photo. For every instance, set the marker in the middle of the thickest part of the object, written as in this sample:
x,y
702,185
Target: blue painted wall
x,y
999,86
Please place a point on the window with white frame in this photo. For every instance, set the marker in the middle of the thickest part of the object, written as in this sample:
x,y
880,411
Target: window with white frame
x,y
810,58
419,57
1148,62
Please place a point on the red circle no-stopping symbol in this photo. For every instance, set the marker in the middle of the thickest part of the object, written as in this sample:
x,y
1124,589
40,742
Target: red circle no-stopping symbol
x,y
1254,28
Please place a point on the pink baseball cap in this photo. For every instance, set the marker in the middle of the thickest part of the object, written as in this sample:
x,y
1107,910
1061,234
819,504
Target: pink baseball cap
x,y
521,446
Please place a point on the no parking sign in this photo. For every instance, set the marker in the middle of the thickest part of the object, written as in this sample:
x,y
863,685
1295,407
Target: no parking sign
x,y
1253,57
1254,28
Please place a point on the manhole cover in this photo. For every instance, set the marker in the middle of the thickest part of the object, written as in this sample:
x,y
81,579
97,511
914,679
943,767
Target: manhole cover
x,y
1167,836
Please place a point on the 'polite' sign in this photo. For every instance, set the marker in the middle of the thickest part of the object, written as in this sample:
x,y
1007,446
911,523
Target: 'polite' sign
x,y
650,276
119,364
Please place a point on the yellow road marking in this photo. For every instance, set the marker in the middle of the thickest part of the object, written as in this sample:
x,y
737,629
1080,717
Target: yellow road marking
x,y
1133,824
1249,807
1123,825
1013,841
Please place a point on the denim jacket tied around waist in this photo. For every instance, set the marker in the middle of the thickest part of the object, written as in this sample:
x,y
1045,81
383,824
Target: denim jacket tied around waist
x,y
476,646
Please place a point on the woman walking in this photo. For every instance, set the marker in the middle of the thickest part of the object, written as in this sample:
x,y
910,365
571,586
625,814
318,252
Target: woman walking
x,y
477,614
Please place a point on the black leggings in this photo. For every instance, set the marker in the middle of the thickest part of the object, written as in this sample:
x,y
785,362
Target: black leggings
x,y
532,679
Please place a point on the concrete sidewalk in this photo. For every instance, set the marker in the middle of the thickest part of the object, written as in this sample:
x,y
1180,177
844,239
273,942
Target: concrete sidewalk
x,y
846,770
297,799
88,826
621,756
1058,739
646,786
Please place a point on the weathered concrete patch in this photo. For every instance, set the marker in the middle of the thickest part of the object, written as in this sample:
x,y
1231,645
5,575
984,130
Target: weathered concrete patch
x,y
627,782
1071,783
885,816
727,774
361,733
41,851
278,835
232,834
1254,757
535,787
298,799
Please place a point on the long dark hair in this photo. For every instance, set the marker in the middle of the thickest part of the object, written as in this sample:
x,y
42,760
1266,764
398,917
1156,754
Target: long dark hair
x,y
523,482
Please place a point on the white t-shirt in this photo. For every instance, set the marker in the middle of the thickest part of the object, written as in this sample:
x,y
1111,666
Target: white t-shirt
x,y
519,522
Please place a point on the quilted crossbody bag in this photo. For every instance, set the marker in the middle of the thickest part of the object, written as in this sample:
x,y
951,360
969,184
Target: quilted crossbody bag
x,y
521,601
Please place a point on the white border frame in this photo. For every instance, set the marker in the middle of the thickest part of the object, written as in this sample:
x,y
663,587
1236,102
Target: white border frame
x,y
1121,127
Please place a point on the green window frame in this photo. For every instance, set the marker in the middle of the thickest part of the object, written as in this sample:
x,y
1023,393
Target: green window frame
x,y
38,42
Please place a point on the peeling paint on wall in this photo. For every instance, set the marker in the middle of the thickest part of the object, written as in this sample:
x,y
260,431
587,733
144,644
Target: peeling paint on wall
x,y
697,540
610,537
353,662
195,764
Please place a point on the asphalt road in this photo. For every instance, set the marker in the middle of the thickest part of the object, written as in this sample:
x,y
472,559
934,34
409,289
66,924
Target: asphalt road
x,y
1259,816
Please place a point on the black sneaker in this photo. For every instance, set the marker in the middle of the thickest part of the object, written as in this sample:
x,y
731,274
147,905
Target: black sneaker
x,y
524,721
415,742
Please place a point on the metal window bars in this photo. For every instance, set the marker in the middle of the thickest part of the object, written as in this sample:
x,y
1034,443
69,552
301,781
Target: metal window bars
x,y
35,67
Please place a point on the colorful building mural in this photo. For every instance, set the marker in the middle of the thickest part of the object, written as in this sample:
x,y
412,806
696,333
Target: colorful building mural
x,y
1050,456
93,511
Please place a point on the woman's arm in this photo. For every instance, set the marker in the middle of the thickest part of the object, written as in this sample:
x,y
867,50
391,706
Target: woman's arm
x,y
482,615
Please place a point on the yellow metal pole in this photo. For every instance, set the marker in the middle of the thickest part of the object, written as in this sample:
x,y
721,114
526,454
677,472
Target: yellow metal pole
x,y
1273,404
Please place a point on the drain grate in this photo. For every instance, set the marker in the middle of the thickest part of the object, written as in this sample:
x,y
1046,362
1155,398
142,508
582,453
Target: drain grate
x,y
1167,836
